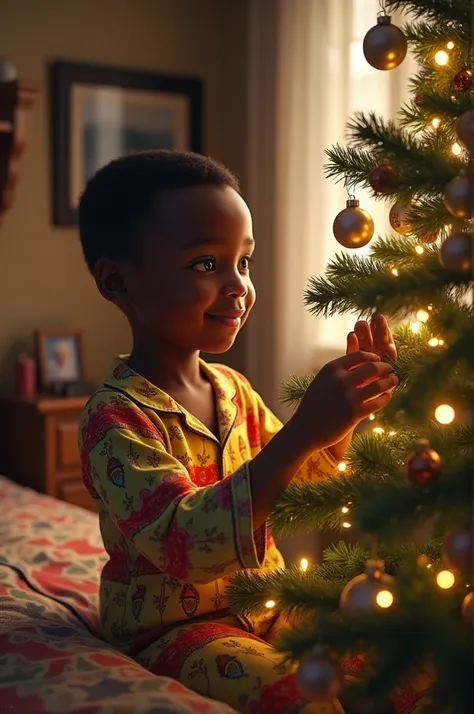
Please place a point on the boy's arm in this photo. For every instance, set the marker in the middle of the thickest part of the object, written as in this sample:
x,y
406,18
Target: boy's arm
x,y
191,533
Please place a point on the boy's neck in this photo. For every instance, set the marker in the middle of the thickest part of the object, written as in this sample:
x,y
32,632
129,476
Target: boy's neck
x,y
166,367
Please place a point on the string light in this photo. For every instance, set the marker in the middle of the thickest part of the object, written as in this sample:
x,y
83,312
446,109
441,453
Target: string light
x,y
270,604
450,45
342,466
434,342
344,509
384,599
445,579
444,414
394,271
419,249
415,327
346,524
456,149
392,433
378,430
442,58
422,315
372,417
440,343
304,564
435,123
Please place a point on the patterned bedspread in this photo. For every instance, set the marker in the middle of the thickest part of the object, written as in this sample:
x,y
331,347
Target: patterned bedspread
x,y
51,658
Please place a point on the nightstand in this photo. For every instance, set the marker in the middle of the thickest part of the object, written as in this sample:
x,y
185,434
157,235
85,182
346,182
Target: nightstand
x,y
38,445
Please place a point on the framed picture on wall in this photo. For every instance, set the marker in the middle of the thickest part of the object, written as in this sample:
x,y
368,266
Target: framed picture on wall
x,y
99,113
60,358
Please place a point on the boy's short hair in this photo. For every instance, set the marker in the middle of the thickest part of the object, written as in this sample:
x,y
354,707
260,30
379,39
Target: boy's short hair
x,y
115,206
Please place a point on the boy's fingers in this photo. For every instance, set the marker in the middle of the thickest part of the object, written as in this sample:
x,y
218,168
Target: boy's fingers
x,y
355,358
352,343
364,335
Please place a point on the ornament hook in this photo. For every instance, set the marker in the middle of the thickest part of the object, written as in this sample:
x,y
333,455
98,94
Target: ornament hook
x,y
383,8
350,188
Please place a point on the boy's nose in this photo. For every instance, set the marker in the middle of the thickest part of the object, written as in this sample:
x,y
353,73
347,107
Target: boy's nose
x,y
236,287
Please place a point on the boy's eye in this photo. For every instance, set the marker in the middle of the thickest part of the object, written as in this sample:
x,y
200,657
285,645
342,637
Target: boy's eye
x,y
206,265
246,262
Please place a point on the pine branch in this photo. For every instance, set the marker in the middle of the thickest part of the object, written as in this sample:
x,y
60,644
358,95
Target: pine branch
x,y
426,37
451,11
292,391
428,106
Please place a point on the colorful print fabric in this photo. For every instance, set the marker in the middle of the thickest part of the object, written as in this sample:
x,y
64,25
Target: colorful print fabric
x,y
174,501
50,660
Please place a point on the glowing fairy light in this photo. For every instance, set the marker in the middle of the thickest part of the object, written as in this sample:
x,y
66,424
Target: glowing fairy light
x,y
344,509
422,315
415,327
384,599
456,149
346,524
434,342
441,58
270,604
445,579
392,433
304,564
372,417
436,122
450,45
444,414
419,249
342,466
378,430
395,272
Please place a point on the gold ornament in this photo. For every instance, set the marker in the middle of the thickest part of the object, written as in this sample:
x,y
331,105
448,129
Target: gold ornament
x,y
353,227
465,130
459,197
456,252
385,45
457,550
398,217
369,593
319,677
467,609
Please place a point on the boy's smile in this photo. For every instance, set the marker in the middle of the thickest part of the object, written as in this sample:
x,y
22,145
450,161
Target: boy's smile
x,y
190,287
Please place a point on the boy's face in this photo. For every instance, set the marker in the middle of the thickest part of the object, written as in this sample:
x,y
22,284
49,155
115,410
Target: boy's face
x,y
191,287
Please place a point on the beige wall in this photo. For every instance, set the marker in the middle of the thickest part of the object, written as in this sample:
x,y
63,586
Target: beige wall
x,y
43,281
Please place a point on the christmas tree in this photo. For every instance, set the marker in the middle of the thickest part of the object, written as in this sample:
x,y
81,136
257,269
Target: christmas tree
x,y
401,600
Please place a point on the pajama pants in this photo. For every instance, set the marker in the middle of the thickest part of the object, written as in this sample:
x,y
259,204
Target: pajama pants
x,y
222,661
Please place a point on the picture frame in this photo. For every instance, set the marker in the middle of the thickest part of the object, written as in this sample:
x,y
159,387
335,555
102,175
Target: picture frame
x,y
99,113
60,359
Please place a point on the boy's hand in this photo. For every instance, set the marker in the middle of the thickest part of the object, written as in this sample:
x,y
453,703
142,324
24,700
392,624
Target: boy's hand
x,y
343,393
374,337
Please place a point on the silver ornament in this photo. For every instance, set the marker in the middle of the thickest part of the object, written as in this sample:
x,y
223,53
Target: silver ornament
x,y
457,551
465,130
398,217
369,593
319,677
456,252
385,45
353,227
459,197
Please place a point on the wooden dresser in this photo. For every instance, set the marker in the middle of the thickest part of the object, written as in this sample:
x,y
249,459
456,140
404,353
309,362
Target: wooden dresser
x,y
38,446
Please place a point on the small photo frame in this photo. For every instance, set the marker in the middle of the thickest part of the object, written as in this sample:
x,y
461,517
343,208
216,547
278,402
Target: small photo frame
x,y
100,113
60,358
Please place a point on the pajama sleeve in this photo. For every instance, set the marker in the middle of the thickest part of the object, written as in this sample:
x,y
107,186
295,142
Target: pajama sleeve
x,y
319,465
191,533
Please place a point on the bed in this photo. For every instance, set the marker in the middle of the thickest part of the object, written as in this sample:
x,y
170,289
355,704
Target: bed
x,y
52,660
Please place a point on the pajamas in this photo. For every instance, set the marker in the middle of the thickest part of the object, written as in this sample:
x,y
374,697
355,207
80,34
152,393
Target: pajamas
x,y
175,510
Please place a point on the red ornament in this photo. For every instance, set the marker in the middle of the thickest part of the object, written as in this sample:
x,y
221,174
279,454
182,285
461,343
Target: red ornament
x,y
382,178
424,464
464,79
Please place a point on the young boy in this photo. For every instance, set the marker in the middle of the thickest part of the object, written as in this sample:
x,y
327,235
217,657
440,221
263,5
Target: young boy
x,y
183,458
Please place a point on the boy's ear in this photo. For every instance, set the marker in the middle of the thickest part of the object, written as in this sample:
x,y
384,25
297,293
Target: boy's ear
x,y
110,280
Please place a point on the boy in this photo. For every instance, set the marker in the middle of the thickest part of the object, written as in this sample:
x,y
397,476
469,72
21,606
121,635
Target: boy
x,y
183,458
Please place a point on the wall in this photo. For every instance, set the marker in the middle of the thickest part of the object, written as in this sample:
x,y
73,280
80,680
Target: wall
x,y
43,281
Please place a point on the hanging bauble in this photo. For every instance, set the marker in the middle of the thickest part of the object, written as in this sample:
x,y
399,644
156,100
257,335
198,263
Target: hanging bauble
x,y
463,80
319,677
429,238
398,217
424,464
459,196
382,178
456,252
353,227
457,550
385,45
465,130
467,609
369,593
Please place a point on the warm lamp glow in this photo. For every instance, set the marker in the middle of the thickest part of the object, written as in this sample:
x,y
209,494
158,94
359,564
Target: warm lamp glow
x,y
384,599
444,414
456,149
270,604
442,58
445,579
304,564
